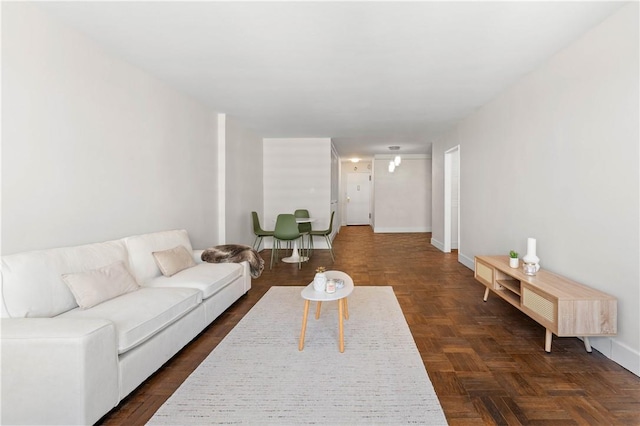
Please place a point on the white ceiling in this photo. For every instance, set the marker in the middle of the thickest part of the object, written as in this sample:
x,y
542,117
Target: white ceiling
x,y
366,74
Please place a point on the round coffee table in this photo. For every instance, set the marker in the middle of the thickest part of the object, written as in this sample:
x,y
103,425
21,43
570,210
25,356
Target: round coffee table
x,y
309,294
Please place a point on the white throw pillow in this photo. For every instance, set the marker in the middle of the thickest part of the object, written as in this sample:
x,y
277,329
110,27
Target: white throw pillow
x,y
173,260
99,285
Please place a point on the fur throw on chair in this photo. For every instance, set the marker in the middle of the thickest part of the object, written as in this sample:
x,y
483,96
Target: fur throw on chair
x,y
235,253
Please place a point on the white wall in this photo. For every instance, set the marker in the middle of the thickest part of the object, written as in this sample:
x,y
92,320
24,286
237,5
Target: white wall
x,y
93,148
402,199
297,175
244,192
556,157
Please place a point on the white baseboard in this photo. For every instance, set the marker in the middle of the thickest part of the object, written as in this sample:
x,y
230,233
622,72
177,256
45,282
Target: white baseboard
x,y
466,261
437,244
380,230
625,356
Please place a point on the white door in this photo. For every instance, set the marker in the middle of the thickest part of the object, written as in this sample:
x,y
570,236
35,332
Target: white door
x,y
358,198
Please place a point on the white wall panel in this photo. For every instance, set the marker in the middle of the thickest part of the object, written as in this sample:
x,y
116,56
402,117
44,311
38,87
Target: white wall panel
x,y
244,192
402,199
297,175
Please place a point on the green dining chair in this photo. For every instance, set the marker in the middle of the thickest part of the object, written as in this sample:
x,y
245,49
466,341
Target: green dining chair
x,y
258,231
304,228
286,230
326,234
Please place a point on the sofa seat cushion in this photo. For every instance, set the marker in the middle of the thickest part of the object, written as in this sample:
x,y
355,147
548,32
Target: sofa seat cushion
x,y
139,315
209,278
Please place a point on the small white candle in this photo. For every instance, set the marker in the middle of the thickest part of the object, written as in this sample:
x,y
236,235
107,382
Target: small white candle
x,y
531,246
331,286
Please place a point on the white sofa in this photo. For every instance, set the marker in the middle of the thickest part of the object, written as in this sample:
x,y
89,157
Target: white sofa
x,y
62,364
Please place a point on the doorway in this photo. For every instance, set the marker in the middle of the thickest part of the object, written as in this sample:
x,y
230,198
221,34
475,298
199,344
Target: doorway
x,y
452,199
358,198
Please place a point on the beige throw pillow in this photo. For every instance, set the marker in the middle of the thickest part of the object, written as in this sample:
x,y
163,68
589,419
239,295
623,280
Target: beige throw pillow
x,y
173,260
93,287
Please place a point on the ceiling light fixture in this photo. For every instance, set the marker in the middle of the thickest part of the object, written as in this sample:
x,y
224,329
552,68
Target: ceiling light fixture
x,y
355,160
396,161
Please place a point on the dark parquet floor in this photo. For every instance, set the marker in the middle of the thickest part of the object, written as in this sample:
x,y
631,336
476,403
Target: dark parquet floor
x,y
486,359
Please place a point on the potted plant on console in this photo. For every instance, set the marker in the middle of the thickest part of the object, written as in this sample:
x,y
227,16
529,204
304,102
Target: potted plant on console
x,y
513,259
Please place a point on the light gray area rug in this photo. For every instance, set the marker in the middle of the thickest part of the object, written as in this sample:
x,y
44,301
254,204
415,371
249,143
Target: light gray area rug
x,y
257,376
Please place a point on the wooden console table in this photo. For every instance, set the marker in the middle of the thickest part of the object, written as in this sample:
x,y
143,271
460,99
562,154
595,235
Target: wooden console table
x,y
562,306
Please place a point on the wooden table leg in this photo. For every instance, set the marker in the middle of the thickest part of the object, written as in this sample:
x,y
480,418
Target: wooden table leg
x,y
587,344
318,308
346,308
486,294
547,340
340,321
304,325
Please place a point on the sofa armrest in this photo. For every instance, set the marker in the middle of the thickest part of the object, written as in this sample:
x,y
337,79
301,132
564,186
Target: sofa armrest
x,y
246,274
58,371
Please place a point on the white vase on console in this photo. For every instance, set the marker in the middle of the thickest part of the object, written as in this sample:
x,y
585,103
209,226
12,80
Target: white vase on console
x,y
531,262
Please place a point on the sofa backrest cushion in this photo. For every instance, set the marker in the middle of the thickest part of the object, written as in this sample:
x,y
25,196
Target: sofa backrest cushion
x,y
32,283
174,260
93,287
141,248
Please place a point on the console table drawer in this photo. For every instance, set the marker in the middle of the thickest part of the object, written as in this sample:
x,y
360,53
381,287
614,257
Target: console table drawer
x,y
539,307
484,274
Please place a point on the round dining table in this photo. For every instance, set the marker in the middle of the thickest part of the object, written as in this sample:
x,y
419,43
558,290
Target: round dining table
x,y
295,255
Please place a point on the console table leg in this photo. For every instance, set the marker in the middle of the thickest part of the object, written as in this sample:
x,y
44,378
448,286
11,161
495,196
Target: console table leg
x,y
587,344
486,294
547,340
